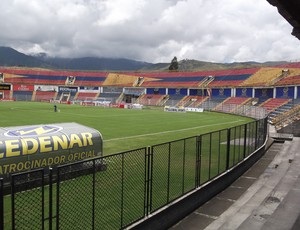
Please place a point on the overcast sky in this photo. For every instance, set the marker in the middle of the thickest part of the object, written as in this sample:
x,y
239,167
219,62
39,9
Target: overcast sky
x,y
149,30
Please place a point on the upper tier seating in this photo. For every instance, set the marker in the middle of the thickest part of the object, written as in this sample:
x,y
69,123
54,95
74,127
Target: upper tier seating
x,y
264,77
205,79
290,80
197,79
227,78
114,79
47,77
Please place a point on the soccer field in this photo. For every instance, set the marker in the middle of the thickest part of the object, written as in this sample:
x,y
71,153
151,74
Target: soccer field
x,y
122,129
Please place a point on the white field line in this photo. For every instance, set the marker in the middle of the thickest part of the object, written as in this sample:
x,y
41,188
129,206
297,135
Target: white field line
x,y
172,131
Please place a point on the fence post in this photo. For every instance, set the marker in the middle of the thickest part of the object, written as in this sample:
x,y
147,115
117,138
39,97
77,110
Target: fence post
x,y
13,202
148,181
50,199
245,140
183,166
169,171
122,192
210,149
57,196
198,161
1,204
228,149
94,194
256,134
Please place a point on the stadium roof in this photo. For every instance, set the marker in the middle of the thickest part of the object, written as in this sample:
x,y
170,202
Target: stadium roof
x,y
289,9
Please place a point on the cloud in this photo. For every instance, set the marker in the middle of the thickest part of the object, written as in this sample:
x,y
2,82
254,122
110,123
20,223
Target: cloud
x,y
153,31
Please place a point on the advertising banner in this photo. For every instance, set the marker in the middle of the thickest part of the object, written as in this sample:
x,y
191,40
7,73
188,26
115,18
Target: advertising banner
x,y
5,87
67,89
48,88
25,148
18,87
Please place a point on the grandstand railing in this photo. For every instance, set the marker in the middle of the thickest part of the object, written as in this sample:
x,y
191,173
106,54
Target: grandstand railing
x,y
116,191
243,110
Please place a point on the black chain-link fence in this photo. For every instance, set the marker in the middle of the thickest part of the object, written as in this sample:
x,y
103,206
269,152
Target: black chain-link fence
x,y
27,196
112,192
173,170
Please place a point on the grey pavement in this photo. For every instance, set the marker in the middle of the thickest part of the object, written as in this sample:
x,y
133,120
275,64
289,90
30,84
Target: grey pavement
x,y
267,196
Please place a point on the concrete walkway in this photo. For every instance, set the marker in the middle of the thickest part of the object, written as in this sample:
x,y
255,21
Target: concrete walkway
x,y
267,196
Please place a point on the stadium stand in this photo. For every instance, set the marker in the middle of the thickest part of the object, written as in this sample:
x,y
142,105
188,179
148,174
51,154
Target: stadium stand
x,y
152,99
287,118
206,81
238,100
112,97
174,99
273,103
198,79
191,101
264,77
6,95
114,79
22,95
47,77
212,103
290,80
83,96
232,103
65,96
128,87
233,78
281,109
282,113
44,95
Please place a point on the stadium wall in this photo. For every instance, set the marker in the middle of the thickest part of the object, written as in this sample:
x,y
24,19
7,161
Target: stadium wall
x,y
221,92
264,92
161,91
287,92
244,92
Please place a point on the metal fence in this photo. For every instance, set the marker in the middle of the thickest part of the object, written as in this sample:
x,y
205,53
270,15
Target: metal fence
x,y
115,191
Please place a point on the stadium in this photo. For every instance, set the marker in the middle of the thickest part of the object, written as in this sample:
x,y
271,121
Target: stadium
x,y
274,88
186,98
135,150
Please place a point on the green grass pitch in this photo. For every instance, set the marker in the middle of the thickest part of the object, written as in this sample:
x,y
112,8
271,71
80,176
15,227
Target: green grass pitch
x,y
122,129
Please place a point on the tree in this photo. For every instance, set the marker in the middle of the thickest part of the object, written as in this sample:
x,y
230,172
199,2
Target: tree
x,y
174,64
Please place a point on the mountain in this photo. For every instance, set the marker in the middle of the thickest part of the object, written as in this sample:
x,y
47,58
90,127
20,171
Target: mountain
x,y
92,63
11,57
